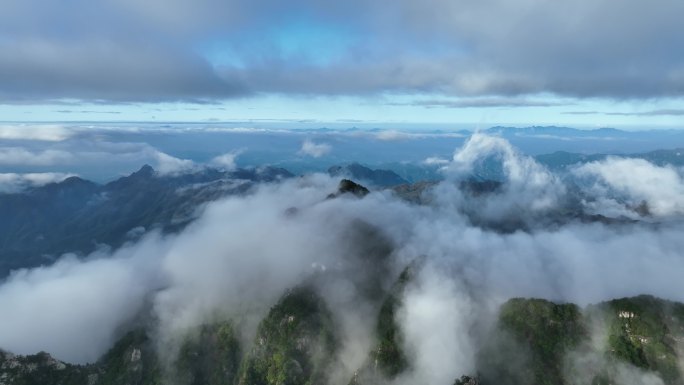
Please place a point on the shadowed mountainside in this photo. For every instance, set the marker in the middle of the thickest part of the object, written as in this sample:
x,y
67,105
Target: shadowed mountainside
x,y
77,216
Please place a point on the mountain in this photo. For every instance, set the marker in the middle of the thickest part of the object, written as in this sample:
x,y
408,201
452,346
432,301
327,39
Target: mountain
x,y
298,339
415,172
533,341
295,344
556,131
347,186
561,159
298,334
379,178
643,333
79,216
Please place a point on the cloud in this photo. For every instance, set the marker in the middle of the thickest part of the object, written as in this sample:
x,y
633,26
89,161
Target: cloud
x,y
99,154
621,185
475,50
315,150
397,135
45,70
483,103
436,304
13,182
391,135
226,161
528,187
434,160
106,292
87,112
215,50
662,112
228,254
22,156
581,112
43,132
167,164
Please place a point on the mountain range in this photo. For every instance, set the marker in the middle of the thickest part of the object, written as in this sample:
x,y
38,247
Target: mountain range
x,y
79,216
633,340
533,341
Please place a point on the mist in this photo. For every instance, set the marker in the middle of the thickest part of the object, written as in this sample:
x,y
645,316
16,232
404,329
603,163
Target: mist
x,y
242,253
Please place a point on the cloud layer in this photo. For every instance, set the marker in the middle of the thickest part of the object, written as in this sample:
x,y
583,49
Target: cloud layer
x,y
211,50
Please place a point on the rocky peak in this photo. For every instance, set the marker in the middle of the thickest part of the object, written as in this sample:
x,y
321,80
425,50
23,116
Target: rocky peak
x,y
348,186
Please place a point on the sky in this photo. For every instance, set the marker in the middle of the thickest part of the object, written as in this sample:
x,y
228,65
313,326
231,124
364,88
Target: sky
x,y
586,63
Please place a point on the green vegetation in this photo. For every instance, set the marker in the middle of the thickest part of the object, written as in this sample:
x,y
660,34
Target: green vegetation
x,y
39,369
548,329
645,332
387,359
534,341
131,361
530,342
295,343
388,356
211,356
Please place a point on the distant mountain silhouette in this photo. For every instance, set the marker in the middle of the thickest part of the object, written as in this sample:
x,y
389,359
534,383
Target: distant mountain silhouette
x,y
378,178
76,215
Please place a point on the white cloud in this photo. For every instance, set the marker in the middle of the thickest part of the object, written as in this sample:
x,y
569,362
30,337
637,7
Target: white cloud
x,y
21,156
528,186
434,160
13,182
390,135
43,132
436,322
226,161
315,150
73,296
633,181
503,56
167,164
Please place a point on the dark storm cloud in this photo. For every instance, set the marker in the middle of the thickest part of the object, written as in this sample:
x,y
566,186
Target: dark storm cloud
x,y
125,50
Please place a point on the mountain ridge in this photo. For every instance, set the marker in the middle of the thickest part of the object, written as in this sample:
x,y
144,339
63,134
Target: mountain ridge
x,y
76,215
550,334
